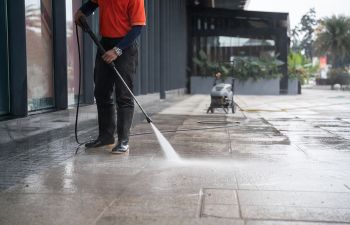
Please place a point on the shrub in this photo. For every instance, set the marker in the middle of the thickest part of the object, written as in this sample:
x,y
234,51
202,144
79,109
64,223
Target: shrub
x,y
299,67
243,68
339,76
208,68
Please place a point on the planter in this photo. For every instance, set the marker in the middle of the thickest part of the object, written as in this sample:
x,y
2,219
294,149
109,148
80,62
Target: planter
x,y
292,87
203,85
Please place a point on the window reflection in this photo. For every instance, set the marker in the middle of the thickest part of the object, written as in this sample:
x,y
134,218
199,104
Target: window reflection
x,y
219,49
39,54
72,51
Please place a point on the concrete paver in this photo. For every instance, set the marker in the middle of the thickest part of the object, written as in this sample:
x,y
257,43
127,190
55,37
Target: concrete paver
x,y
35,143
282,160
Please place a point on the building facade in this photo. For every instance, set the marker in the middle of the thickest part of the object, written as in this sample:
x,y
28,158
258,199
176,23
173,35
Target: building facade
x,y
39,64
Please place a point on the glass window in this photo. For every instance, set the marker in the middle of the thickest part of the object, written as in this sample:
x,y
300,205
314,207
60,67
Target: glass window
x,y
220,49
72,51
39,54
4,86
4,79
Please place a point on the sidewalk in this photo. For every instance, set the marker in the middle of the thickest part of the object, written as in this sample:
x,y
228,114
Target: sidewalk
x,y
35,143
283,160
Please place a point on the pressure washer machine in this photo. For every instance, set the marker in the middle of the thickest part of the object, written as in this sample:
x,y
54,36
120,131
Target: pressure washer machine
x,y
222,97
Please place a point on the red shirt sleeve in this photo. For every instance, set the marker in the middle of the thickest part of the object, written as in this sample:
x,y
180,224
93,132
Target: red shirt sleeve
x,y
136,11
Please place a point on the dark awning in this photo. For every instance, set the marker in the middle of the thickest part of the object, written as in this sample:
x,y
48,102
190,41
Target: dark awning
x,y
231,4
225,4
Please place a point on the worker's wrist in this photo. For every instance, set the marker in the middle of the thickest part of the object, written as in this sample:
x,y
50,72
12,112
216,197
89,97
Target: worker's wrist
x,y
118,51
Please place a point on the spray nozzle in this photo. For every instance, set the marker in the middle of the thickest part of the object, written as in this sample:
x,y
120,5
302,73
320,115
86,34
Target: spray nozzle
x,y
149,119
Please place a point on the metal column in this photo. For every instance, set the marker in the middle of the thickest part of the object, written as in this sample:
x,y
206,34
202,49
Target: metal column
x,y
60,54
17,57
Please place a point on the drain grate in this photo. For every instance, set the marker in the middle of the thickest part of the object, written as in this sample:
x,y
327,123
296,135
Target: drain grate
x,y
218,203
215,122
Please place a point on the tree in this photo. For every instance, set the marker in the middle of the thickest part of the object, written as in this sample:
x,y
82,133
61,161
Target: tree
x,y
303,34
333,39
295,39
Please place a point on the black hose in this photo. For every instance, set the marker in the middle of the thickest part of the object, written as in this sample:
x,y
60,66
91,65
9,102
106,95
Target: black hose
x,y
79,92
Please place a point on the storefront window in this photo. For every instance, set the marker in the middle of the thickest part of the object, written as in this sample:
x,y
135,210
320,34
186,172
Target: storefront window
x,y
72,51
39,54
223,49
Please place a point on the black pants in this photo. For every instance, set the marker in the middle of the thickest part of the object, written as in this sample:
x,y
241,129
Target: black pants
x,y
105,82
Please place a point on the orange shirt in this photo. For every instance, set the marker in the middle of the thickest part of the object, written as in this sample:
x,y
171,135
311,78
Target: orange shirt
x,y
118,16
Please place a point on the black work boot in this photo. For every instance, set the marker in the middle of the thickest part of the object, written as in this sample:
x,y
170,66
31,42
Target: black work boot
x,y
106,127
124,121
98,143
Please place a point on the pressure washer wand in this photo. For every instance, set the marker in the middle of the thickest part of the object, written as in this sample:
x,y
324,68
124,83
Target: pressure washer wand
x,y
87,29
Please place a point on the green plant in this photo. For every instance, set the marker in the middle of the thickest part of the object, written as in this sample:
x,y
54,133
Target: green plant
x,y
265,67
242,68
299,67
209,68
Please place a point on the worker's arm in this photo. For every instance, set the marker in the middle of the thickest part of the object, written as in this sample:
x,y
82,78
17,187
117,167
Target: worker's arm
x,y
85,10
126,42
130,37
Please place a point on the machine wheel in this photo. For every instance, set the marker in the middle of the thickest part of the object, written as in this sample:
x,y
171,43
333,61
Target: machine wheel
x,y
233,106
210,109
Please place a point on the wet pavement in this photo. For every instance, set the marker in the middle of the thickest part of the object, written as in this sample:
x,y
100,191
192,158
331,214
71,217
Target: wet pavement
x,y
35,143
282,160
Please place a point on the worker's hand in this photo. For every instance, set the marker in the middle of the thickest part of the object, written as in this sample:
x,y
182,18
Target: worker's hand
x,y
110,56
77,16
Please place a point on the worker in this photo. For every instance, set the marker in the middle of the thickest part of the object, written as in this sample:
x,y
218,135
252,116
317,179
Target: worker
x,y
121,22
217,78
